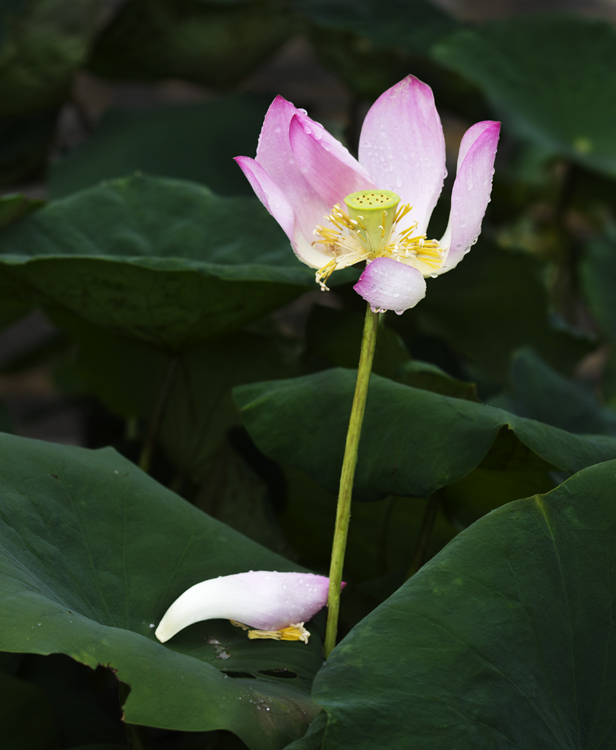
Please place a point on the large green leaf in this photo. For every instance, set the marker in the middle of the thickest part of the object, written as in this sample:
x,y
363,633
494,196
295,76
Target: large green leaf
x,y
187,394
92,552
429,377
551,77
15,206
189,142
314,736
503,640
163,261
543,394
413,442
483,490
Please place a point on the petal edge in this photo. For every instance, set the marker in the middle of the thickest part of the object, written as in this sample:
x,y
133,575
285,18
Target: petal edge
x,y
471,191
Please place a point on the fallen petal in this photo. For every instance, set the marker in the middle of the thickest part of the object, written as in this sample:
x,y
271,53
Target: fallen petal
x,y
265,600
389,284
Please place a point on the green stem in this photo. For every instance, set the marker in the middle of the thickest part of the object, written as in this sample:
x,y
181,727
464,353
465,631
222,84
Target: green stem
x,y
133,733
343,512
164,392
427,524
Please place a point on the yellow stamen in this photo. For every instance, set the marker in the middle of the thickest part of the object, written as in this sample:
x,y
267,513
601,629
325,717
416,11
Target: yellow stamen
x,y
296,632
368,232
324,273
291,633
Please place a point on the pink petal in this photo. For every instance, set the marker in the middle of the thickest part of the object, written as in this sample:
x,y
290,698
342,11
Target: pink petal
x,y
403,148
471,190
270,195
266,600
389,284
276,157
275,201
324,162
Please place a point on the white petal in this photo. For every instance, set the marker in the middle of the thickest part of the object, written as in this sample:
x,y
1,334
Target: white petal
x,y
266,600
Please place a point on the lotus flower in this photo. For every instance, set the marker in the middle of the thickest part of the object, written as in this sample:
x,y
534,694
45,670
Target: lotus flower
x,y
275,604
338,211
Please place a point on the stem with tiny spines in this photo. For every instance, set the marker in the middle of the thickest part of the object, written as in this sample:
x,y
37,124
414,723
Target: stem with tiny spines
x,y
343,511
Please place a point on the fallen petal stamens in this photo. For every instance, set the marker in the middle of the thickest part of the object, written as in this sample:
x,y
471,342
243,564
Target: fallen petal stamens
x,y
295,632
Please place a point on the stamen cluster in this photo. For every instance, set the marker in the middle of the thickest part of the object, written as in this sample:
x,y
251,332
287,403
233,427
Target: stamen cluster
x,y
349,241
